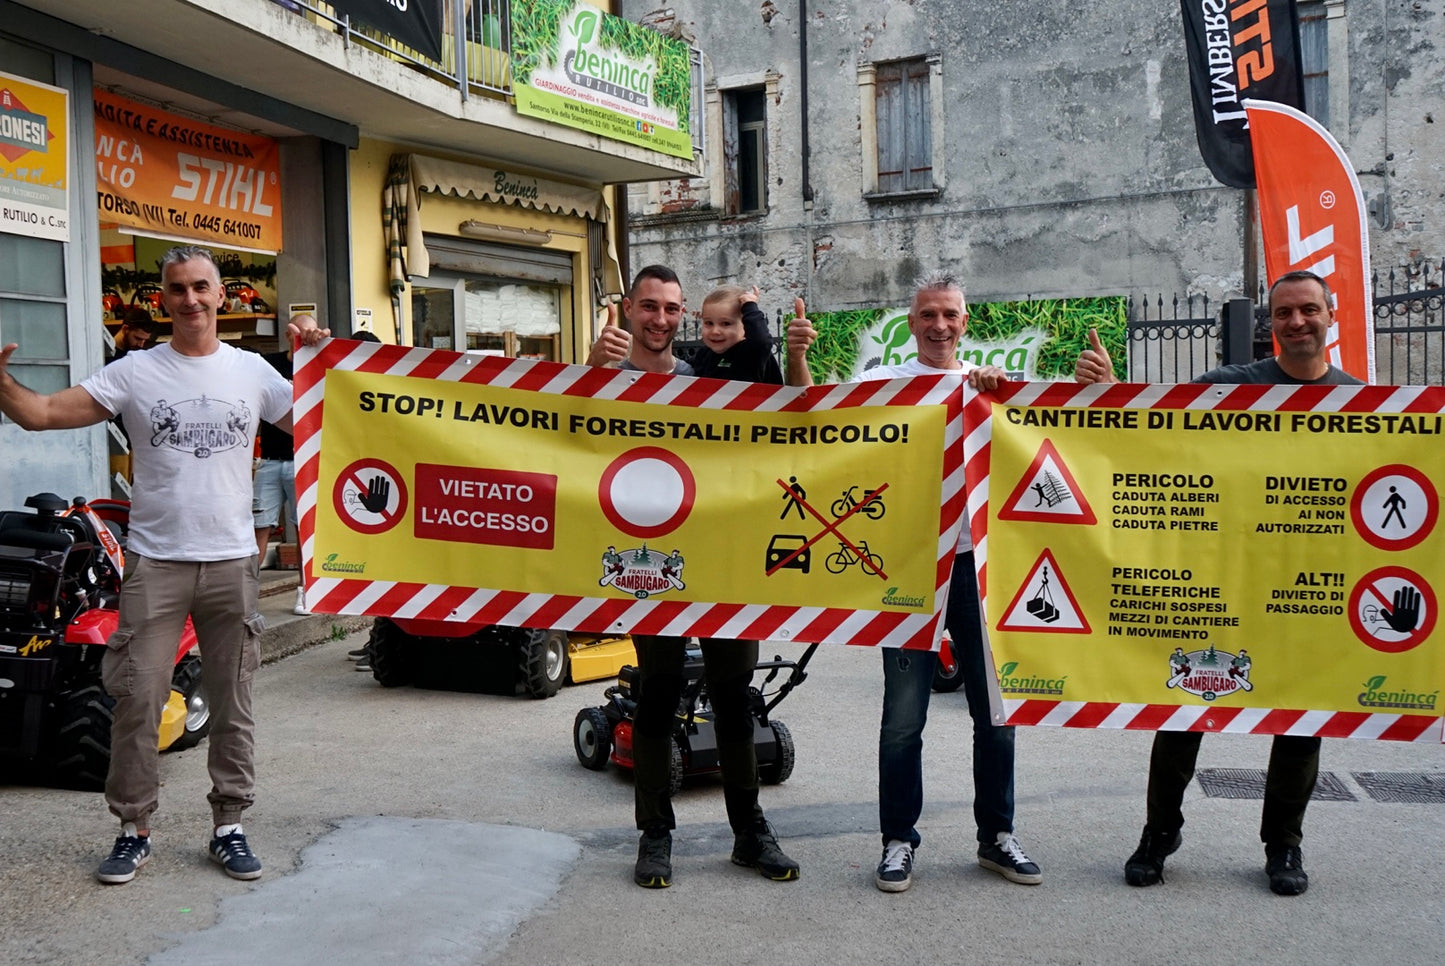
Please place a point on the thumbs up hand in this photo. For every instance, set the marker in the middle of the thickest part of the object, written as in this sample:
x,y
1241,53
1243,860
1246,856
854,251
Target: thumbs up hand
x,y
1094,364
612,344
801,336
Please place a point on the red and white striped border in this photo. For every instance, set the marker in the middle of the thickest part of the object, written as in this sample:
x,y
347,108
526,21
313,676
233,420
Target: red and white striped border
x,y
978,425
604,614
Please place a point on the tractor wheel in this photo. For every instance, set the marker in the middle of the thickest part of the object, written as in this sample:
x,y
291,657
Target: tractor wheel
x,y
674,774
592,738
542,661
82,745
945,681
393,654
187,680
777,771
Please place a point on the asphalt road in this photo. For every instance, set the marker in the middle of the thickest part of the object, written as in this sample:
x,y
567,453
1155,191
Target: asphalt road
x,y
435,827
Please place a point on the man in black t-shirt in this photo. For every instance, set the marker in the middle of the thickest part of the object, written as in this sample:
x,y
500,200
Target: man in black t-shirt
x,y
1300,315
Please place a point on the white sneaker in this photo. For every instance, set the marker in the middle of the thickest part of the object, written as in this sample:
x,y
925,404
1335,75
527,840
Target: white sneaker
x,y
300,608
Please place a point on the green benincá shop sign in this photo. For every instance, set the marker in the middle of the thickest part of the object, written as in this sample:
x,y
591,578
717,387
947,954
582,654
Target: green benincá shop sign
x,y
574,65
1036,340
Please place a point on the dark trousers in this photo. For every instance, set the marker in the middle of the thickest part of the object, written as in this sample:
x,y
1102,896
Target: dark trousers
x,y
907,686
728,670
1294,765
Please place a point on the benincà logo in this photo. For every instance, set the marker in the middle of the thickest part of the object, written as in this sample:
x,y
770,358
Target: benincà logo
x,y
1375,696
605,71
894,599
334,566
1011,683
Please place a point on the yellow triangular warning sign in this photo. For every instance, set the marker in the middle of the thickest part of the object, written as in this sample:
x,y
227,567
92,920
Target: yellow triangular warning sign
x,y
1047,493
1045,604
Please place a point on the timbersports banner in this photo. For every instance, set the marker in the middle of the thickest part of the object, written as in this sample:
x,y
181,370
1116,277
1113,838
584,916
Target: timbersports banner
x,y
1260,559
1312,217
1238,49
440,485
417,24
174,177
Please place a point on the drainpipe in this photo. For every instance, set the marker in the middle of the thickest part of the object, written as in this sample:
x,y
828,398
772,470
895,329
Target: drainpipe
x,y
803,110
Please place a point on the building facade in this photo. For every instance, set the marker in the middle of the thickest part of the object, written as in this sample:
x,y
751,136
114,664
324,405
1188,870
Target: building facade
x,y
363,161
1037,150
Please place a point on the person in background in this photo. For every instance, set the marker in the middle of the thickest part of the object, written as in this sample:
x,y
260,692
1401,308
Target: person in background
x,y
137,331
273,486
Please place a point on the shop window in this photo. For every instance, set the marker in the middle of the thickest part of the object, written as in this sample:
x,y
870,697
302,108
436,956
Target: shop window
x,y
520,320
745,143
33,310
1315,60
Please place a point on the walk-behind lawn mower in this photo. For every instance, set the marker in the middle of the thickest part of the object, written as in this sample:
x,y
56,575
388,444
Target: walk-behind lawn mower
x,y
603,734
60,574
489,658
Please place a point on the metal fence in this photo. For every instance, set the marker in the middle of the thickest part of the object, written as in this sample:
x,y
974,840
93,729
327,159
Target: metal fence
x,y
1176,341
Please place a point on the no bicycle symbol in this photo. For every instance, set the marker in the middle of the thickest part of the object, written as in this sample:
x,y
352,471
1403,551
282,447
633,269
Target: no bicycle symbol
x,y
370,496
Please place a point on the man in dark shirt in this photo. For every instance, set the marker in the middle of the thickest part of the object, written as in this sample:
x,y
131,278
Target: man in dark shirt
x,y
273,487
1300,315
137,331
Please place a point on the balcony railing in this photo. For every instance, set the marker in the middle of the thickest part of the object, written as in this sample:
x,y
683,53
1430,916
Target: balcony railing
x,y
483,47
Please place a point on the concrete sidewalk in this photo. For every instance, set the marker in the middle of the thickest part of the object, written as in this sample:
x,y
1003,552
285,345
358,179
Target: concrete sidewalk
x,y
288,633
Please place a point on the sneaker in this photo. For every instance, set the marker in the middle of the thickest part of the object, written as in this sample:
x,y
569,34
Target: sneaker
x,y
131,851
1146,866
758,849
235,855
299,608
1006,857
895,872
1285,866
363,665
358,654
654,860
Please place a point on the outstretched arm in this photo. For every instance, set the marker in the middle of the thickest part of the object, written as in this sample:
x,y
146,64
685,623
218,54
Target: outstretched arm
x,y
66,409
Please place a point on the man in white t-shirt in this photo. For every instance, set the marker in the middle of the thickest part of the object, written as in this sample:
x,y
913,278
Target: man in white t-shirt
x,y
936,319
191,406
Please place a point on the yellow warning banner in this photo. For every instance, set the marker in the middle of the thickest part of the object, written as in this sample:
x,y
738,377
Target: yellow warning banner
x,y
1202,551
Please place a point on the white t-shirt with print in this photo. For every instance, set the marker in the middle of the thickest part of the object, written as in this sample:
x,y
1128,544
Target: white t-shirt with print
x,y
192,422
907,370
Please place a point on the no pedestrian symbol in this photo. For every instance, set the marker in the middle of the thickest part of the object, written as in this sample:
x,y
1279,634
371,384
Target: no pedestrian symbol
x,y
370,496
1395,507
1392,609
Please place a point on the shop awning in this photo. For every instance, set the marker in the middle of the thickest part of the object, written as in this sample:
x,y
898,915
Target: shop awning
x,y
487,183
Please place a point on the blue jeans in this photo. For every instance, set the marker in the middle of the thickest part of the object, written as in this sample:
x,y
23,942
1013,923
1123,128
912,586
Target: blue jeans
x,y
907,685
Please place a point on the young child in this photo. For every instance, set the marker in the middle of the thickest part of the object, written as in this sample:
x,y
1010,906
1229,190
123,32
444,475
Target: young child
x,y
736,342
